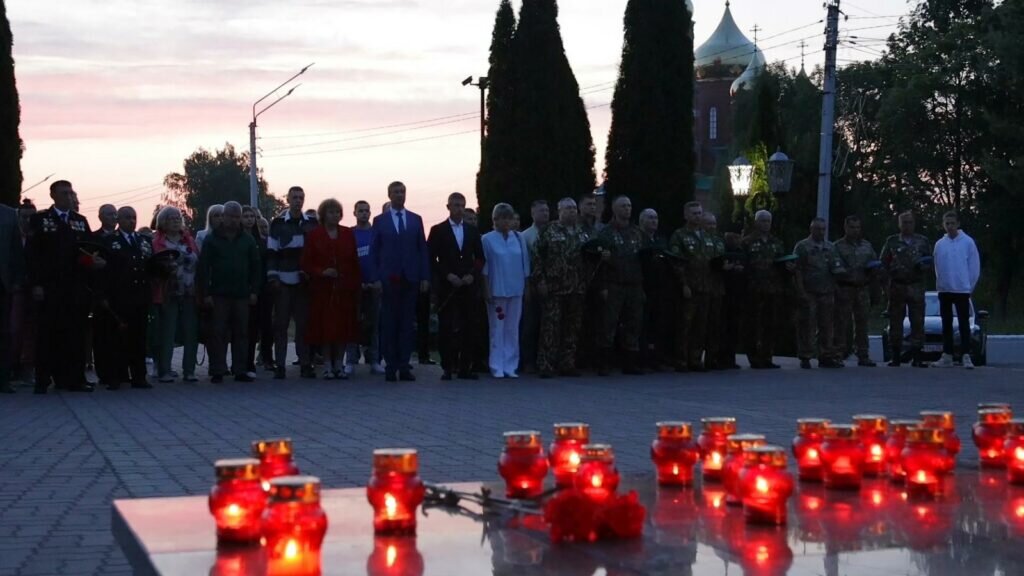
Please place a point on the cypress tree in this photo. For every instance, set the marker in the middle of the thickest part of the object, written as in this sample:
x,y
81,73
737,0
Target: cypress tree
x,y
497,164
650,154
554,150
10,118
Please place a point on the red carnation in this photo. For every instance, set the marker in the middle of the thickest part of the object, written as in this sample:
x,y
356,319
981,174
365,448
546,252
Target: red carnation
x,y
85,261
501,316
498,310
573,517
622,517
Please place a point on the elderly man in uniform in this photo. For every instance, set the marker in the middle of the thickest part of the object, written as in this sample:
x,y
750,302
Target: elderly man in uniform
x,y
853,293
765,286
653,339
696,248
716,291
906,257
540,213
558,275
817,262
622,289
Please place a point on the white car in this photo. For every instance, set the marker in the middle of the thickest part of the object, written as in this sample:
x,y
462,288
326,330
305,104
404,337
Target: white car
x,y
933,333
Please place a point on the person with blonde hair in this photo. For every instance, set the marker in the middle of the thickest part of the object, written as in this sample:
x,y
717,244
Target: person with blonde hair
x,y
506,268
174,296
214,215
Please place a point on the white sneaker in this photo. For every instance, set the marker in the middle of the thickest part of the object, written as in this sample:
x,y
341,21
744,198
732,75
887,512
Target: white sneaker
x,y
945,362
350,369
967,362
376,368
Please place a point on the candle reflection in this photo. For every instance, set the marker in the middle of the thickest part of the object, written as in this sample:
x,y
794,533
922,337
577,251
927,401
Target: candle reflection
x,y
394,556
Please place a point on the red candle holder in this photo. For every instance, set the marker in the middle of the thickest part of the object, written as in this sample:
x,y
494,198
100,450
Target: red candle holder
x,y
237,501
946,421
765,485
713,442
1005,406
764,551
523,464
874,431
566,451
894,447
674,453
275,456
597,476
395,491
989,433
842,457
810,433
735,446
394,556
293,526
1013,447
924,462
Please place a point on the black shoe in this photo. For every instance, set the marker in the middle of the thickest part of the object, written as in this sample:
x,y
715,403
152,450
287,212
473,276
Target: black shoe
x,y
308,372
805,363
570,373
866,363
681,368
696,368
111,385
771,366
468,376
244,378
81,387
406,376
6,388
829,364
427,361
390,377
217,379
143,385
894,363
279,373
919,364
447,376
546,375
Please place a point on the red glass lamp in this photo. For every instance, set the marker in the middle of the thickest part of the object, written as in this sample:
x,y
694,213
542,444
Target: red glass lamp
x,y
237,501
946,421
765,485
842,457
736,445
674,453
523,464
713,442
924,462
810,434
395,491
894,447
394,556
275,456
566,451
989,433
294,525
597,476
1013,447
874,431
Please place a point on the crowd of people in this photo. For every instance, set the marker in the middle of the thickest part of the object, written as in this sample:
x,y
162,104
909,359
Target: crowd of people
x,y
569,294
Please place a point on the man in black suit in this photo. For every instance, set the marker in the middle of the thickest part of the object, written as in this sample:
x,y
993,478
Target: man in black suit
x,y
59,270
12,270
456,258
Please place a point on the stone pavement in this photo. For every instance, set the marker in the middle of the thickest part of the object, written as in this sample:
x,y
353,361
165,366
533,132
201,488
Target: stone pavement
x,y
64,457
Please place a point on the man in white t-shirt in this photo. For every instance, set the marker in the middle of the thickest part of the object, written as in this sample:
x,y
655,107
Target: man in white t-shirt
x,y
957,269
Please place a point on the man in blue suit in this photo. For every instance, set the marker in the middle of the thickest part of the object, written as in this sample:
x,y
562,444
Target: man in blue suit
x,y
401,261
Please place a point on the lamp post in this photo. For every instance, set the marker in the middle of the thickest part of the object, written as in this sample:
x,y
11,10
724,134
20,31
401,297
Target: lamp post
x,y
741,176
483,83
254,189
780,172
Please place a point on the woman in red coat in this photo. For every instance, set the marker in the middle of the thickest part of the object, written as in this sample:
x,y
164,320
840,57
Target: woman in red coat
x,y
330,261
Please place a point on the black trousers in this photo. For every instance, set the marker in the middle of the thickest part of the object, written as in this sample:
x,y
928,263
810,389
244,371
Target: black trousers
x,y
456,329
129,352
105,344
423,326
63,318
962,302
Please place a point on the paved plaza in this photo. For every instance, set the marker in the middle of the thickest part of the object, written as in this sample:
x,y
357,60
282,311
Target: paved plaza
x,y
65,457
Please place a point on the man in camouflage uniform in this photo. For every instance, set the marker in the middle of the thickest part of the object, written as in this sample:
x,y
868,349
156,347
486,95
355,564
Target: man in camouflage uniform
x,y
622,289
853,294
653,336
716,291
696,248
558,274
764,290
593,306
817,262
905,258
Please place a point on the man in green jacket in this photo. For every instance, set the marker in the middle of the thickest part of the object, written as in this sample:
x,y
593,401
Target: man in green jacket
x,y
228,279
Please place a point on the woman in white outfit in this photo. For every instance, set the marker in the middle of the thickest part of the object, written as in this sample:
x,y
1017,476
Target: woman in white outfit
x,y
505,272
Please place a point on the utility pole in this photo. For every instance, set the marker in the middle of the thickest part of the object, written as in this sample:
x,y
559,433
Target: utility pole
x,y
254,184
483,83
828,106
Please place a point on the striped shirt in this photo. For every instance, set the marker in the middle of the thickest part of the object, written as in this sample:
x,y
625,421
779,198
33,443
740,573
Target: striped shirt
x,y
284,246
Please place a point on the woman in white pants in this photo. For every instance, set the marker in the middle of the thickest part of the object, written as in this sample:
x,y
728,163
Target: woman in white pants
x,y
505,272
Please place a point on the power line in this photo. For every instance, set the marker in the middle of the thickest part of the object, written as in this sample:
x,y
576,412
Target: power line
x,y
798,28
365,137
122,193
473,114
381,145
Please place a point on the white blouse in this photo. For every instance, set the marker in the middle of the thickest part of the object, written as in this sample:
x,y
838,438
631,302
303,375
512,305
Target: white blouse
x,y
507,264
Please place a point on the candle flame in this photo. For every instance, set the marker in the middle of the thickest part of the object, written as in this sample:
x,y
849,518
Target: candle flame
x,y
597,480
876,452
392,555
390,505
266,485
761,485
234,510
812,454
992,453
876,498
762,554
921,476
1019,453
675,469
843,465
716,460
1019,511
813,504
574,458
922,512
291,550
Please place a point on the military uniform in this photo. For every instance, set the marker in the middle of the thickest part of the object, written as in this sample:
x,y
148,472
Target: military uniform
x,y
902,261
654,340
125,293
105,340
765,285
56,264
716,294
593,305
853,297
560,269
816,264
622,279
697,249
733,304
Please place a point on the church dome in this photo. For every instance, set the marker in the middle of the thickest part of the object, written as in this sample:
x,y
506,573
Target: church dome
x,y
727,47
749,76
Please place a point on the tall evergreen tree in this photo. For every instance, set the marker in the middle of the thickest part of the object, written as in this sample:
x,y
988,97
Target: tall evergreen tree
x,y
554,150
497,166
10,118
650,154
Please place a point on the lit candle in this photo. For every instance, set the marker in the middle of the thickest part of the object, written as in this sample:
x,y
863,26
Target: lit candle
x,y
523,464
237,500
294,525
894,447
674,453
762,551
989,433
394,556
395,491
736,445
712,442
873,432
1013,447
924,462
765,485
842,457
810,433
597,476
566,451
945,420
275,456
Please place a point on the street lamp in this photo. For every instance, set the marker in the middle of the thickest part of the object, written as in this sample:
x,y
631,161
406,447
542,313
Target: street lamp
x,y
483,83
780,172
254,189
741,175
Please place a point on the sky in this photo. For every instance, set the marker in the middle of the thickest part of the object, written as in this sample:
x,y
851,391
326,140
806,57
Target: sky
x,y
115,94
